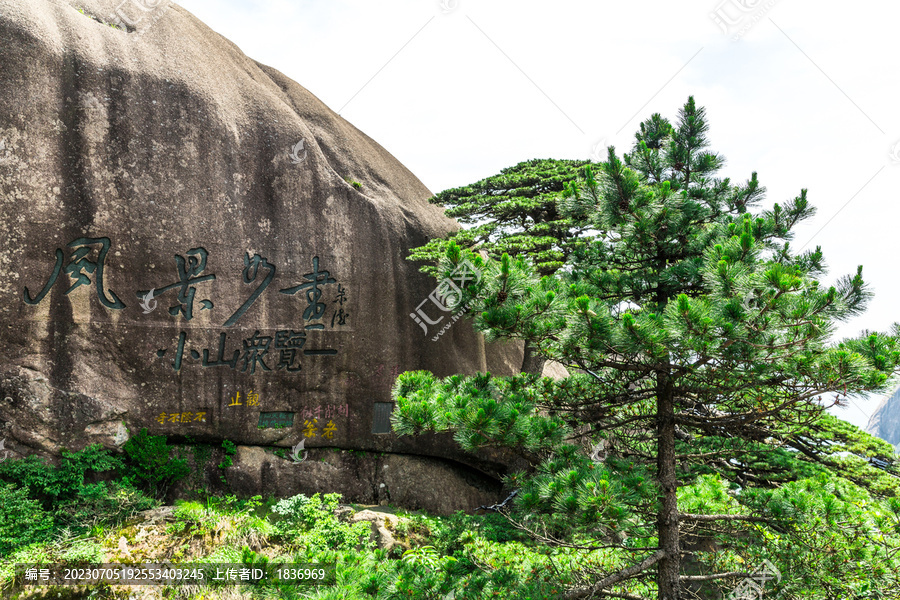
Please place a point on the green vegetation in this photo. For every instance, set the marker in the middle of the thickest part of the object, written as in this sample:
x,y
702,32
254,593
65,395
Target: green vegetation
x,y
150,464
517,212
312,521
22,519
355,184
461,556
72,495
689,446
230,450
99,20
88,491
698,343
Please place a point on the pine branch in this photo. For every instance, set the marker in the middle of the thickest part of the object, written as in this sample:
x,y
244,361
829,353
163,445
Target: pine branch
x,y
552,541
615,578
730,575
621,595
696,517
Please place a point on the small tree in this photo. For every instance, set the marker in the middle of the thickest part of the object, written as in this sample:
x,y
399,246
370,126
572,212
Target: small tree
x,y
150,463
516,212
699,343
22,519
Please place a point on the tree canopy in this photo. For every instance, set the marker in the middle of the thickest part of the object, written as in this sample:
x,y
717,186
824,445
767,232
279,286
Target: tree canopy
x,y
514,212
699,347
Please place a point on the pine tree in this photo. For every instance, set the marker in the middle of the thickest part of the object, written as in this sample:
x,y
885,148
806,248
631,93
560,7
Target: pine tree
x,y
699,347
514,212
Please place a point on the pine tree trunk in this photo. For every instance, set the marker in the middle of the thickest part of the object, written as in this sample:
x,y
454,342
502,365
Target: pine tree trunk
x,y
532,362
667,520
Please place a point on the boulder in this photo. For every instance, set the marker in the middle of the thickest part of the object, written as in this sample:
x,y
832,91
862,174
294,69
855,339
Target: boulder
x,y
198,246
382,525
438,485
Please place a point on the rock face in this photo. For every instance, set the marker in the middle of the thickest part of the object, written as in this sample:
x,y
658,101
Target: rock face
x,y
885,421
195,244
381,524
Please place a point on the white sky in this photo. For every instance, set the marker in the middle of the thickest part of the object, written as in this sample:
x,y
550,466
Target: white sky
x,y
806,97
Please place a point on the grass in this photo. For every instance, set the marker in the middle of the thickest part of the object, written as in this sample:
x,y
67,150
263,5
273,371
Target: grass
x,y
461,556
67,514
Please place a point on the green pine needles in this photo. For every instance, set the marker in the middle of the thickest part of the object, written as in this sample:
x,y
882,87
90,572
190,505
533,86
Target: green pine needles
x,y
516,212
699,346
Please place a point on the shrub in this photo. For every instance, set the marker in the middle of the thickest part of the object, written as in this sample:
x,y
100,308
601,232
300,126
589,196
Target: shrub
x,y
107,503
62,484
150,463
65,493
22,519
230,450
313,521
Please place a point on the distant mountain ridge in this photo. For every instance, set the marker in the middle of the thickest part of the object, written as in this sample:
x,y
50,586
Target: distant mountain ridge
x,y
885,421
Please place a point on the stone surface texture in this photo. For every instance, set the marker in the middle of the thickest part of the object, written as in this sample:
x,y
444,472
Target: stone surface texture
x,y
885,421
155,158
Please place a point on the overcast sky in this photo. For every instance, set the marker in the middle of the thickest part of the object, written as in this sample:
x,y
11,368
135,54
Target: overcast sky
x,y
805,93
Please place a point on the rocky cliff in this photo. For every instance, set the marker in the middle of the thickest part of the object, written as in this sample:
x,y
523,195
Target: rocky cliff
x,y
885,421
197,245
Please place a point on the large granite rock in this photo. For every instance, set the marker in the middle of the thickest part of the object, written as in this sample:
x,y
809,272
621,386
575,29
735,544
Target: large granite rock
x,y
197,245
885,421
